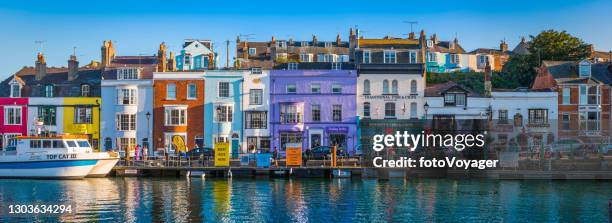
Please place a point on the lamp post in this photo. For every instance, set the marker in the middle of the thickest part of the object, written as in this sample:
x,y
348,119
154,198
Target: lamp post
x,y
426,107
218,122
148,116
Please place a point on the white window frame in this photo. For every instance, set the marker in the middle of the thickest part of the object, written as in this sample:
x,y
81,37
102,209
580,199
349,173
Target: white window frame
x,y
367,57
181,118
221,94
567,93
252,51
128,73
392,59
316,86
306,57
15,93
128,125
454,58
336,89
226,115
189,96
432,57
131,96
292,66
18,115
255,96
168,91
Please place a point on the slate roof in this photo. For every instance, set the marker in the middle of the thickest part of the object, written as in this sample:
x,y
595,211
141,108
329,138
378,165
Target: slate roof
x,y
62,87
147,63
438,90
564,70
445,47
522,48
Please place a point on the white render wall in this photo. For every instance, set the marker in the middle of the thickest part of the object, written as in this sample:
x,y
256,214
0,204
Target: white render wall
x,y
476,108
377,100
255,81
33,104
109,109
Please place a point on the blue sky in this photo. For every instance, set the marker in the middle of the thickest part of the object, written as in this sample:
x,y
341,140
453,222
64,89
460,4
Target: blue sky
x,y
138,27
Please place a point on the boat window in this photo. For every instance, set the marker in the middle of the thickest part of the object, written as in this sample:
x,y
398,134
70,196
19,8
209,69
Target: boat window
x,y
46,144
71,143
35,144
83,143
58,144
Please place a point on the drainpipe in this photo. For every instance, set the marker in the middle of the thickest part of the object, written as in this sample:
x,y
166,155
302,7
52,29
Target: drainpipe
x,y
241,107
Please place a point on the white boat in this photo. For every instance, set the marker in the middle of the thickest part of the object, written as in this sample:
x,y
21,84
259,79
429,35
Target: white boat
x,y
61,156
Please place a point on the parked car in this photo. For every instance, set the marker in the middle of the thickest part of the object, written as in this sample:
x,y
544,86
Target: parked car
x,y
324,152
206,153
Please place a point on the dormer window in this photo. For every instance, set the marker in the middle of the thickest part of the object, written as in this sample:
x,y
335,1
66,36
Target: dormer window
x,y
128,73
584,68
454,99
328,44
252,51
49,90
256,70
281,44
429,43
304,43
15,90
85,90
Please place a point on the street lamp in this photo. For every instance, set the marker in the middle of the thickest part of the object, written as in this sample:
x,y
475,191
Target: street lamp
x,y
426,107
148,116
218,122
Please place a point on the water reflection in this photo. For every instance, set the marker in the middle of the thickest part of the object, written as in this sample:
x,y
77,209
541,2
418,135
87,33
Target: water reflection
x,y
299,200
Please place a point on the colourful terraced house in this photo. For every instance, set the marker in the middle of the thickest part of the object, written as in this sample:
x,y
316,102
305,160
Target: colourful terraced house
x,y
59,100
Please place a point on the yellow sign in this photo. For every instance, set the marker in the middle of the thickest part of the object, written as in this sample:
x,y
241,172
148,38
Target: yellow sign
x,y
222,154
179,143
294,154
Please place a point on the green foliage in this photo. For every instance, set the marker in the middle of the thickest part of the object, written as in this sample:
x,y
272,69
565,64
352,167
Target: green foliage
x,y
548,45
473,80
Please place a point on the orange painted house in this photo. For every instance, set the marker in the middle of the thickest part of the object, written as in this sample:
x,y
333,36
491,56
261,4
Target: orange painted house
x,y
178,111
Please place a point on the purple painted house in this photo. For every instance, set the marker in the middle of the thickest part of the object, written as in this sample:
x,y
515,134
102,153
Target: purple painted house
x,y
314,108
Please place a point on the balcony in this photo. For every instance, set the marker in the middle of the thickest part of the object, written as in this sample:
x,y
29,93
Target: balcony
x,y
537,125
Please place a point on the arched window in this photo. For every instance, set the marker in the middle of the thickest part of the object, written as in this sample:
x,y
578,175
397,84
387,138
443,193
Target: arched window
x,y
413,87
385,87
413,110
85,90
394,87
366,86
389,110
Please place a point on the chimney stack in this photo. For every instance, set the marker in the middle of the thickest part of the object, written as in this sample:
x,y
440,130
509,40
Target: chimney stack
x,y
273,40
314,40
171,62
411,35
108,53
73,68
338,40
162,60
434,38
40,67
503,46
487,80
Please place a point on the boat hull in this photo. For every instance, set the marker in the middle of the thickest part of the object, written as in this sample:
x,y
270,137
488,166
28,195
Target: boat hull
x,y
103,167
47,169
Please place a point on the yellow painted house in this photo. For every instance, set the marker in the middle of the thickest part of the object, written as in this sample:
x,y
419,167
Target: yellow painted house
x,y
82,116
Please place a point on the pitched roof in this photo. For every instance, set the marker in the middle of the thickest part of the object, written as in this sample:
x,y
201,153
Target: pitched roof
x,y
522,48
62,87
437,90
565,70
445,47
389,42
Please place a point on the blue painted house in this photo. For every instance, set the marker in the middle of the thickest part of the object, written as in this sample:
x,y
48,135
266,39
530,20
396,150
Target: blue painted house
x,y
446,56
196,55
222,102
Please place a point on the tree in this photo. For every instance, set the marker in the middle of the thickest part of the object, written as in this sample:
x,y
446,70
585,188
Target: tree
x,y
547,45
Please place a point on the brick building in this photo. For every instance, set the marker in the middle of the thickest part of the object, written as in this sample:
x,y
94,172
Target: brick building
x,y
584,97
178,111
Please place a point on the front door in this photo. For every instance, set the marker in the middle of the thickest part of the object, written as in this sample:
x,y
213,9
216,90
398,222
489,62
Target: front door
x,y
235,148
315,140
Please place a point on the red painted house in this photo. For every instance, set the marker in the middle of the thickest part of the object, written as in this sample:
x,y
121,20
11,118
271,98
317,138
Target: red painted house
x,y
13,113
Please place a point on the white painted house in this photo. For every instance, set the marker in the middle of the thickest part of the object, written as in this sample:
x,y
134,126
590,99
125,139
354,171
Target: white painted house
x,y
255,100
390,91
126,109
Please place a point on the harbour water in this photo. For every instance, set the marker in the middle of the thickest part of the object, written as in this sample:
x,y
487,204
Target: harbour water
x,y
314,200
